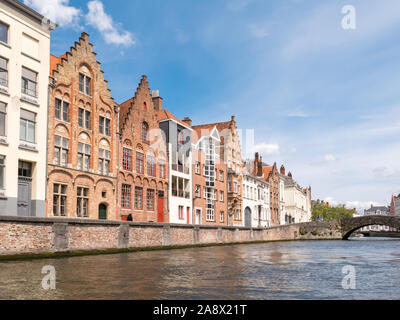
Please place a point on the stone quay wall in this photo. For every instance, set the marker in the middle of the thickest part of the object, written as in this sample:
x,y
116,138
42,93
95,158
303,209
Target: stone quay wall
x,y
29,235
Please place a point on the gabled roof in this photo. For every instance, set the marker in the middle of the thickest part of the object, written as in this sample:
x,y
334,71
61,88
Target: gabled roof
x,y
199,133
220,126
164,114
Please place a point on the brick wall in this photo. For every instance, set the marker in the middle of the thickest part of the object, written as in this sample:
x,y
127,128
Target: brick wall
x,y
25,235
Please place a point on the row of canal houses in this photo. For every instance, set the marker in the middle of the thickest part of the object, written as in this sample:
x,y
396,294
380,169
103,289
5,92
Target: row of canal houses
x,y
67,149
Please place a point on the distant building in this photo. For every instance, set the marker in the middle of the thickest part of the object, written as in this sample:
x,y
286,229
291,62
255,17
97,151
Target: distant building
x,y
381,210
256,207
298,207
395,206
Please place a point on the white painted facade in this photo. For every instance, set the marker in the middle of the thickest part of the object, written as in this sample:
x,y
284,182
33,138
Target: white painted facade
x,y
256,200
180,191
297,208
25,64
282,200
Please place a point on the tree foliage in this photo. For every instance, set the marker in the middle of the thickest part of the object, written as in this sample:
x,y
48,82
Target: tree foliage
x,y
331,213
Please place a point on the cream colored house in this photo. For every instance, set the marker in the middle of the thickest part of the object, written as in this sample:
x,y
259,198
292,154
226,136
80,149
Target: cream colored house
x,y
256,197
24,80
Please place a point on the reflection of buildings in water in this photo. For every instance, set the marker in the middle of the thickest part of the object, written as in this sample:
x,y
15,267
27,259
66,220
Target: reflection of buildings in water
x,y
199,272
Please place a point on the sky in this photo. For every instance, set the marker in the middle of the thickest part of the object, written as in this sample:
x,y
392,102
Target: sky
x,y
321,99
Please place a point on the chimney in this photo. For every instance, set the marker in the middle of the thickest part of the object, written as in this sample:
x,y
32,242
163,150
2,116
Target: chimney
x,y
157,100
233,119
290,175
188,121
283,171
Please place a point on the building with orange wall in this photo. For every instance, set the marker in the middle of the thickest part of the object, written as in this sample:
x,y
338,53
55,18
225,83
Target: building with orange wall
x,y
143,160
210,202
82,137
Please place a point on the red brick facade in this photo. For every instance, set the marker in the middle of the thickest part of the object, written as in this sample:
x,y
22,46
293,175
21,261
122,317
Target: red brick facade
x,y
143,177
82,137
219,214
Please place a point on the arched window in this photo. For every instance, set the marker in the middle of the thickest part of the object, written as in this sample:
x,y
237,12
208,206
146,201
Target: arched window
x,y
145,130
144,105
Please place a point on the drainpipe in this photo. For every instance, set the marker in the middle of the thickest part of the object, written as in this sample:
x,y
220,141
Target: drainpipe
x,y
50,86
116,110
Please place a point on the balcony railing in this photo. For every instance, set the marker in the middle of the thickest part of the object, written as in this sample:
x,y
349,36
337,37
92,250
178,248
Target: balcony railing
x,y
180,193
180,168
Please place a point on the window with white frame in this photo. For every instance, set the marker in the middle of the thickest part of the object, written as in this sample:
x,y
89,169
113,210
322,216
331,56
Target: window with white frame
x,y
104,161
221,216
84,156
27,126
2,170
61,110
82,203
85,84
197,191
59,199
221,196
3,72
210,215
3,32
237,214
3,113
29,82
197,168
84,118
61,150
104,125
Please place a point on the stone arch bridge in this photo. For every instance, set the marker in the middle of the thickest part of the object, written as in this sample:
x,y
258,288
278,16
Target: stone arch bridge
x,y
350,225
338,229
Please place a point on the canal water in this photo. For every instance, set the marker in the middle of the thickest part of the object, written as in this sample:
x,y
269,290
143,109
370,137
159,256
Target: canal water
x,y
279,270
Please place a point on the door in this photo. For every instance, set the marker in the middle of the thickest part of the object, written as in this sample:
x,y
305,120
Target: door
x,y
229,220
198,216
247,217
24,189
160,207
24,196
102,212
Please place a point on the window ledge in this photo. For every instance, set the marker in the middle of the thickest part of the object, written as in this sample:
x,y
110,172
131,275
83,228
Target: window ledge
x,y
3,141
28,147
29,56
5,44
31,100
63,121
4,90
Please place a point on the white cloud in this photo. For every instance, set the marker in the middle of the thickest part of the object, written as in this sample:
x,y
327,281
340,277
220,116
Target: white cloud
x,y
97,18
237,5
329,157
258,31
322,30
359,205
58,11
266,148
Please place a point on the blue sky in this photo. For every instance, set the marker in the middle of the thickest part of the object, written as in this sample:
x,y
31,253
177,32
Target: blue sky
x,y
322,100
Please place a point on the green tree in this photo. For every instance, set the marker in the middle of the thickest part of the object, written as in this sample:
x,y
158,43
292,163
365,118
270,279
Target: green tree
x,y
331,213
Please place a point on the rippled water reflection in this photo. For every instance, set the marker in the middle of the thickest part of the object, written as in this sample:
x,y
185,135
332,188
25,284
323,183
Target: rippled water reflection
x,y
282,270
